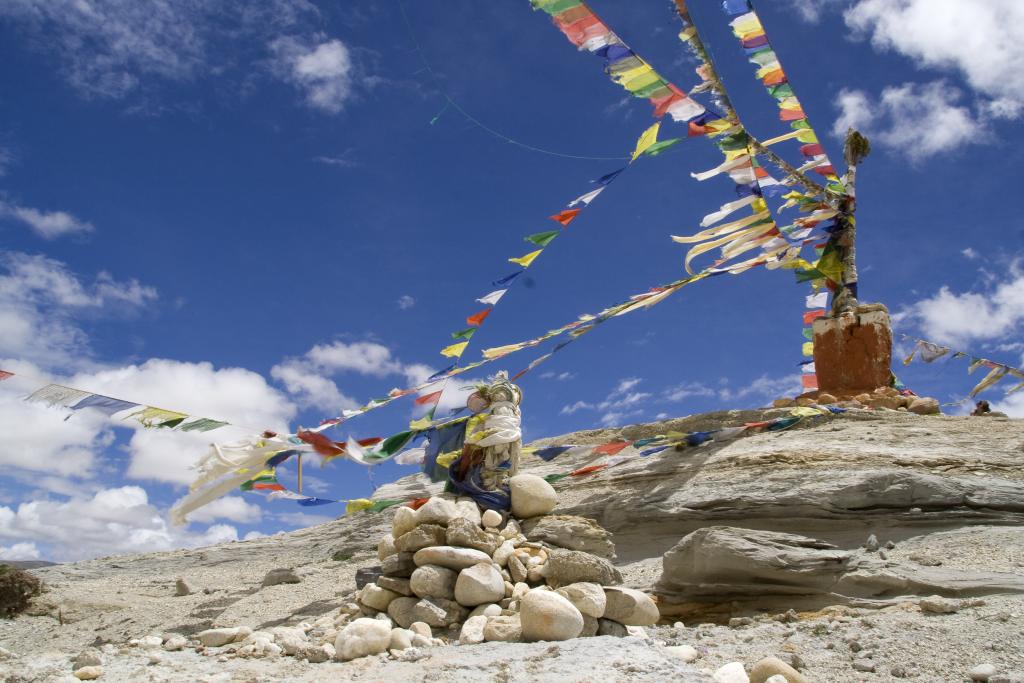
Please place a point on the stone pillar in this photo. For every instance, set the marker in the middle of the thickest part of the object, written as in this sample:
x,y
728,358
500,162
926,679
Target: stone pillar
x,y
853,353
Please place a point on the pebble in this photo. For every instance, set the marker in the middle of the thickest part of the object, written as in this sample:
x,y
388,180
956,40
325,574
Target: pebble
x,y
491,518
872,543
982,672
865,665
88,673
937,604
279,576
732,672
686,653
181,588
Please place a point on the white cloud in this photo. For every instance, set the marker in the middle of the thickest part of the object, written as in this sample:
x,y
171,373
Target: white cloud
x,y
577,406
7,159
112,521
343,161
917,120
309,386
616,418
688,389
47,224
560,376
231,508
812,10
764,387
969,253
323,72
19,551
626,384
957,319
405,302
981,40
1012,405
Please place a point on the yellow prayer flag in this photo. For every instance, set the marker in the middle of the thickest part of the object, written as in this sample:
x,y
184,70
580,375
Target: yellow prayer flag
x,y
807,136
420,424
499,351
629,74
526,260
808,349
648,138
807,411
446,459
455,350
357,505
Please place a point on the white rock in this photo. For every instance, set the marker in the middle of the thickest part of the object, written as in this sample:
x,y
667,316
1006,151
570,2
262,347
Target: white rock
x,y
405,520
87,658
490,610
630,607
363,637
422,641
422,629
491,518
589,598
982,672
434,582
731,673
217,637
511,530
291,640
503,552
936,604
151,642
545,615
376,597
437,511
777,678
401,639
479,585
637,632
519,590
450,557
175,643
473,630
88,673
685,653
468,509
386,547
531,496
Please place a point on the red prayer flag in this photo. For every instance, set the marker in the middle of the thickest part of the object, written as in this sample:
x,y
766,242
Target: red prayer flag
x,y
416,503
4,375
825,170
268,487
792,114
587,470
695,130
572,15
809,381
477,319
812,150
611,448
565,217
428,398
320,443
811,316
776,77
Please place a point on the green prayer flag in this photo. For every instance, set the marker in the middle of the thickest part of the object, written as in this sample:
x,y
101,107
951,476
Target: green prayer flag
x,y
394,443
809,333
464,334
552,478
542,239
379,505
660,146
170,424
554,6
830,265
731,143
649,90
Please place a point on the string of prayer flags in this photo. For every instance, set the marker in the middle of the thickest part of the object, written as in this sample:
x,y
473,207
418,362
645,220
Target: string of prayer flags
x,y
929,352
57,395
587,32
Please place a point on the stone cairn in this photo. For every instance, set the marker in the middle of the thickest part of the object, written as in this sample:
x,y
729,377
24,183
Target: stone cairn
x,y
525,576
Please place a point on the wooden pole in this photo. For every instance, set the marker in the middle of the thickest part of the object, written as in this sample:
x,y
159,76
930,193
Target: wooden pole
x,y
855,150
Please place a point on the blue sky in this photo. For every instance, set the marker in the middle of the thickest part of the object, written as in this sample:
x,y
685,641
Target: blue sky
x,y
246,213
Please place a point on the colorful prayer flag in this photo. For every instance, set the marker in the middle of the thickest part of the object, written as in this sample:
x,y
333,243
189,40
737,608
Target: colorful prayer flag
x,y
526,259
477,319
455,350
646,139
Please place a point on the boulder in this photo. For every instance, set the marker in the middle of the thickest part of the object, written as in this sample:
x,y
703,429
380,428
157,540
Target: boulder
x,y
423,536
217,637
607,627
468,510
473,630
404,521
452,558
400,565
479,585
465,534
395,584
437,511
773,666
545,615
439,612
363,637
571,532
590,626
504,629
531,496
630,607
401,611
386,547
924,406
277,576
432,581
491,519
375,597
572,566
588,598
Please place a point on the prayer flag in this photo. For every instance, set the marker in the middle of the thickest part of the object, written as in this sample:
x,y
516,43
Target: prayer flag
x,y
564,217
203,424
611,448
493,297
441,373
477,319
526,259
811,316
819,300
808,348
646,139
660,146
466,334
4,375
508,278
542,239
455,350
585,199
104,404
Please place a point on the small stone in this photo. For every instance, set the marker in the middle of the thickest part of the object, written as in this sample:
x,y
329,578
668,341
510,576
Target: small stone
x,y
450,557
588,598
432,581
882,555
401,611
982,672
939,605
437,511
805,402
862,398
87,658
375,597
491,518
175,643
545,615
630,607
400,565
607,627
531,496
503,629
401,639
439,612
925,560
465,534
590,626
827,399
473,630
685,653
490,610
783,403
479,585
572,566
395,584
420,628
899,672
871,545
924,406
181,588
423,536
151,642
732,672
363,637
504,551
368,575
404,521
88,673
865,665
516,571
217,637
777,678
737,622
317,654
769,667
278,576
511,530
469,510
386,547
